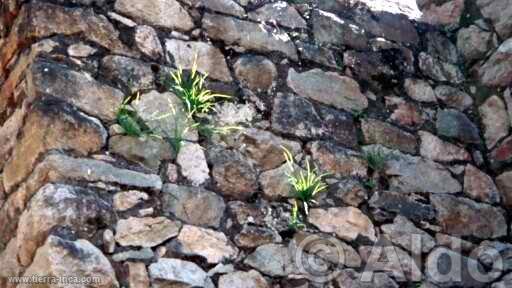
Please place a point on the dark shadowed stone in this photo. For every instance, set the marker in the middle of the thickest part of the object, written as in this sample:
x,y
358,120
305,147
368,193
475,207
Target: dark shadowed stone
x,y
372,66
254,236
193,205
233,174
402,204
317,54
339,126
396,27
454,124
330,29
463,217
378,132
230,7
502,154
250,35
297,116
77,88
133,74
441,47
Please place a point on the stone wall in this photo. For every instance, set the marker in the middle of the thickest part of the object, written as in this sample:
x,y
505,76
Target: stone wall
x,y
335,82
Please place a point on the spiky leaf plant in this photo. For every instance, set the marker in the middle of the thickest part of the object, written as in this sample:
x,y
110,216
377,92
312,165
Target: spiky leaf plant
x,y
306,184
192,91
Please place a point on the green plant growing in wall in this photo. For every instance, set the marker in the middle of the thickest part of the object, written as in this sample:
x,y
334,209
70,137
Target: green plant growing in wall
x,y
376,159
305,184
192,91
128,119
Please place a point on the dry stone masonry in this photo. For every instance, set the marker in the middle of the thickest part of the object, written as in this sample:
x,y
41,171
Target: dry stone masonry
x,y
408,111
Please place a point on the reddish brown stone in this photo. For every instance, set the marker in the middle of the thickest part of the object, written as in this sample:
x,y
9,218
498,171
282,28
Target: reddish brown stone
x,y
378,132
407,114
502,153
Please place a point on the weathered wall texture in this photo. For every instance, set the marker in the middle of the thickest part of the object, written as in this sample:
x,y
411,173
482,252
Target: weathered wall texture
x,y
327,79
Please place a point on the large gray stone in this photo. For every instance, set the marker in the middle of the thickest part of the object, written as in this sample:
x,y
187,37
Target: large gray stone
x,y
280,12
168,272
454,124
499,12
497,69
208,58
347,222
329,88
330,29
162,13
193,205
258,37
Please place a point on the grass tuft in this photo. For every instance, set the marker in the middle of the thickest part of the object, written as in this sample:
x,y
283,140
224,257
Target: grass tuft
x,y
306,185
376,159
191,90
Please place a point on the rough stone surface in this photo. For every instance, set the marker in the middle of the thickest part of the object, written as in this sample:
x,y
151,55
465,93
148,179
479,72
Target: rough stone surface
x,y
274,183
434,148
350,278
137,275
419,90
397,203
148,151
60,258
58,205
147,42
329,88
378,132
265,148
502,154
232,173
145,232
209,60
193,205
258,73
77,88
330,29
281,12
495,120
169,271
454,124
453,97
162,13
401,232
474,43
223,6
338,161
212,245
439,70
496,70
480,186
248,35
272,260
415,174
464,217
131,74
504,182
242,279
347,222
52,124
499,12
192,161
128,199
